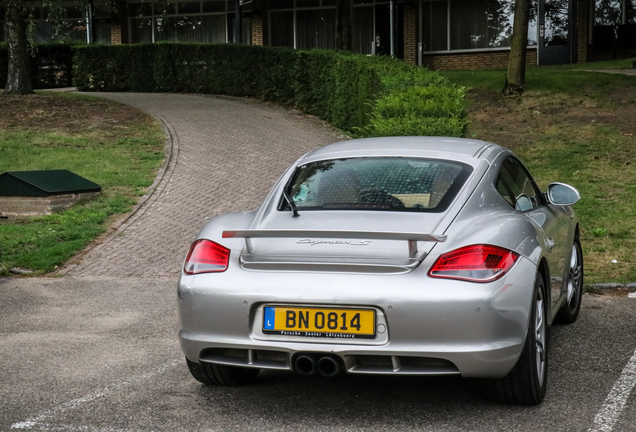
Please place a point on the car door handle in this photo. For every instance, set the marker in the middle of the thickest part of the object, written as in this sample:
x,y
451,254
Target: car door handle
x,y
550,244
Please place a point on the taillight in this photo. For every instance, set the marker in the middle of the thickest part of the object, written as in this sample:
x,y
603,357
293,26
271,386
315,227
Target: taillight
x,y
206,256
476,263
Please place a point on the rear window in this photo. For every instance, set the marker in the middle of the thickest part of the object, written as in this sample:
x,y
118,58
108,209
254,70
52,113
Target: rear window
x,y
382,183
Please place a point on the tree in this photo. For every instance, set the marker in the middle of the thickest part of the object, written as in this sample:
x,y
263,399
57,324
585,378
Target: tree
x,y
516,76
19,44
344,36
18,73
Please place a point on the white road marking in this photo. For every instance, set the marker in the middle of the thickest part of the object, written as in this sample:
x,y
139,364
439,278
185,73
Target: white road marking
x,y
73,428
617,398
37,422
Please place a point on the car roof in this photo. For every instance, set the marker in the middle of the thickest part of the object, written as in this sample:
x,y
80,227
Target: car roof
x,y
460,149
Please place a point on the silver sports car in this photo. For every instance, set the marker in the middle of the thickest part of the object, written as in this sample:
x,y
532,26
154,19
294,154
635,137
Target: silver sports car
x,y
393,256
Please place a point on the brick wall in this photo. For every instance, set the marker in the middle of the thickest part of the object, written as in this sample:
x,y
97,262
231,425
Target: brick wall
x,y
410,35
483,60
115,34
257,31
612,54
11,207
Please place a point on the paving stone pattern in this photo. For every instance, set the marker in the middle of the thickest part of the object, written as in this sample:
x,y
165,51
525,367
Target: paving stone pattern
x,y
226,155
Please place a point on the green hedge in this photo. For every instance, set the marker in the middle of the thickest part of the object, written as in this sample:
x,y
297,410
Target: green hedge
x,y
237,70
51,66
367,96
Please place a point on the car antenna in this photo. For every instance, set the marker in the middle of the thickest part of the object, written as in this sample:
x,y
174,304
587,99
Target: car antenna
x,y
291,204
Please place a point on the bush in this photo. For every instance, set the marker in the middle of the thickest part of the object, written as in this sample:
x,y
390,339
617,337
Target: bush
x,y
366,96
51,65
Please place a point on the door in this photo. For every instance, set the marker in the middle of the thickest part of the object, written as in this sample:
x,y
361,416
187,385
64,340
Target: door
x,y
556,32
383,30
517,187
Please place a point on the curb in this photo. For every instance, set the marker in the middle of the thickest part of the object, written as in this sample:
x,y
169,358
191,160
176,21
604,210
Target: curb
x,y
613,286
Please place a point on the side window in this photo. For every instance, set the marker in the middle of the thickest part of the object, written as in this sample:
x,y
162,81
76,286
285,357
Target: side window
x,y
516,186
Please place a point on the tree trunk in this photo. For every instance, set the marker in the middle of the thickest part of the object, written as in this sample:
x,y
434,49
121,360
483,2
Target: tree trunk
x,y
18,74
344,32
516,77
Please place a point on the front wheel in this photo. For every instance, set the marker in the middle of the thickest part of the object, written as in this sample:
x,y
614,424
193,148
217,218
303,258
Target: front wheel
x,y
569,312
213,374
526,383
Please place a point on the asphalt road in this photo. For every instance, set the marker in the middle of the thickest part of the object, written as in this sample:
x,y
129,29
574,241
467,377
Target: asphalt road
x,y
98,354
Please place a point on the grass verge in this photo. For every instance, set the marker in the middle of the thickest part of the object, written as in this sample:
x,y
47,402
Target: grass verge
x,y
578,128
116,146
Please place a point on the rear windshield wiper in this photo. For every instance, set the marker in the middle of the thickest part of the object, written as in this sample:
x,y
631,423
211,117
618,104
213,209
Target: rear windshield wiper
x,y
290,201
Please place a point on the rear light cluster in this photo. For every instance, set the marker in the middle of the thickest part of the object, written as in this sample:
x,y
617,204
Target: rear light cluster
x,y
476,263
206,256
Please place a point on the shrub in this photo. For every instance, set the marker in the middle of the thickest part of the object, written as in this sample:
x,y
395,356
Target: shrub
x,y
366,96
51,65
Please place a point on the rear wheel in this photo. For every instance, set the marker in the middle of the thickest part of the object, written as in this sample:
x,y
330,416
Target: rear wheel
x,y
212,374
526,382
569,312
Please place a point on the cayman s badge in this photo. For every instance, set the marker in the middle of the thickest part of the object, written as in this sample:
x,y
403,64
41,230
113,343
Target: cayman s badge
x,y
312,242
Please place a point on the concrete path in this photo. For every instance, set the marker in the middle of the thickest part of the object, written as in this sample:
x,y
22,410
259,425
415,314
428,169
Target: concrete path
x,y
224,154
631,72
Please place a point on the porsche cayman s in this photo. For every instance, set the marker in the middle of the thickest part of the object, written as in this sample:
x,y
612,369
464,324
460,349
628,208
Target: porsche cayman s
x,y
395,256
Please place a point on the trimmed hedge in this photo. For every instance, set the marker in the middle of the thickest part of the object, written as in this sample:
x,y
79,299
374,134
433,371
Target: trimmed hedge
x,y
51,66
367,96
237,70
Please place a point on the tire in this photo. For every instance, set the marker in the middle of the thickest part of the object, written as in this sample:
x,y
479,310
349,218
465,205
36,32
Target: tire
x,y
527,381
569,312
219,375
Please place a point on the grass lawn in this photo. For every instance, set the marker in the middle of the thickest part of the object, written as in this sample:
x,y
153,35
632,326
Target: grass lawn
x,y
574,127
114,145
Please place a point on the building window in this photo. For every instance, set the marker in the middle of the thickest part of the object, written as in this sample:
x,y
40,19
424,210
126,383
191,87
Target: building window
x,y
614,24
435,26
363,33
207,21
69,27
316,29
455,25
282,24
303,24
615,12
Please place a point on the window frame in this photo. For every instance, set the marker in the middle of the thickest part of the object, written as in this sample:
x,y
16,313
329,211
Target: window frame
x,y
539,195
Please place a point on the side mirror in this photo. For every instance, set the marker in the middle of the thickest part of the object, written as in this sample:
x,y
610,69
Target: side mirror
x,y
524,203
562,194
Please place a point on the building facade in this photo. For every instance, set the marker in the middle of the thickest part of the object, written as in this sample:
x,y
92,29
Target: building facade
x,y
439,34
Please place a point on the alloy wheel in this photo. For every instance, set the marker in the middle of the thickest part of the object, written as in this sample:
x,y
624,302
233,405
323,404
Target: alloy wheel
x,y
540,336
574,281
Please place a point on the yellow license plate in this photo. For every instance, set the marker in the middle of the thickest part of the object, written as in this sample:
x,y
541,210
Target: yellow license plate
x,y
319,322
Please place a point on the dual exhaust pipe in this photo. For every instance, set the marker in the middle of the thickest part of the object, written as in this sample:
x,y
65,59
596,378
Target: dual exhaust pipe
x,y
326,365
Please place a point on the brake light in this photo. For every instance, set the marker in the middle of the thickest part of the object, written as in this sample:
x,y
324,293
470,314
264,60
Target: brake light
x,y
206,256
476,263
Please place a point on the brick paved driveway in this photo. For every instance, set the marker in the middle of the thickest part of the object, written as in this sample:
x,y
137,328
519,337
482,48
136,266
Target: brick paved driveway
x,y
226,153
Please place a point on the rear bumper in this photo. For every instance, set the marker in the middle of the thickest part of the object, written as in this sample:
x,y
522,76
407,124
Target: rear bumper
x,y
493,363
433,326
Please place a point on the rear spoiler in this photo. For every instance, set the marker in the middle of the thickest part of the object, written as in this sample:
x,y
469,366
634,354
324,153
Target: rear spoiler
x,y
412,238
